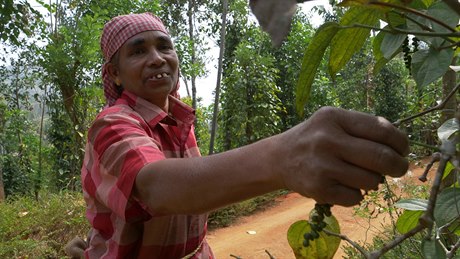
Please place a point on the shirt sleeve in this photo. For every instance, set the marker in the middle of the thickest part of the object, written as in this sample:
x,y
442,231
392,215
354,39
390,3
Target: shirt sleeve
x,y
121,145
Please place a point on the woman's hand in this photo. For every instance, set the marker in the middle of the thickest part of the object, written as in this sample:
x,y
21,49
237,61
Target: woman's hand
x,y
336,154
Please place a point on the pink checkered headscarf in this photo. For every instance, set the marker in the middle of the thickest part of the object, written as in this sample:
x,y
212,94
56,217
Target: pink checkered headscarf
x,y
115,33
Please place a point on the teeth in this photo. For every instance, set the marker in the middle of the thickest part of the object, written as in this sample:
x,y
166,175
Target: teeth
x,y
161,75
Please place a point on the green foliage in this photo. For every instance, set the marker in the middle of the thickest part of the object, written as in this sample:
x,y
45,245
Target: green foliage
x,y
203,120
289,60
249,93
428,63
31,229
312,61
323,247
410,249
389,95
16,17
19,138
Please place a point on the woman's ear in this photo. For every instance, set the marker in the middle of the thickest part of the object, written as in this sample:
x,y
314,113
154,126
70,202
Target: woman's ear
x,y
113,72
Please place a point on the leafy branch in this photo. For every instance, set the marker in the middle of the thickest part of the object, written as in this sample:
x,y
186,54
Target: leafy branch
x,y
440,106
413,11
394,30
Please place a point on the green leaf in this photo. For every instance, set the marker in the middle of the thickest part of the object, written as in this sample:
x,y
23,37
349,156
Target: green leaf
x,y
428,65
377,45
440,10
379,64
323,247
408,220
432,249
449,168
391,44
412,204
395,19
311,61
381,61
448,128
447,206
348,41
421,4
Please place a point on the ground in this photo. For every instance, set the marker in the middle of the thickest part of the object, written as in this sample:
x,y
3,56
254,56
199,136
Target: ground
x,y
250,237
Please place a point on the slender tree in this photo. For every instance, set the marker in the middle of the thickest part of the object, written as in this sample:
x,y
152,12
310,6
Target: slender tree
x,y
219,75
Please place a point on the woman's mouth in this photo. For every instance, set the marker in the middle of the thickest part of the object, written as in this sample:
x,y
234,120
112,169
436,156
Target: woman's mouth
x,y
159,76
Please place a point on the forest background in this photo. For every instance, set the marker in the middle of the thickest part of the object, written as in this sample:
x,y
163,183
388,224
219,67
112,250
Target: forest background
x,y
51,90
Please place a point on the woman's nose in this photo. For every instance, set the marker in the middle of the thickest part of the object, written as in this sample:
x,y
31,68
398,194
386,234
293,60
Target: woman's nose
x,y
155,57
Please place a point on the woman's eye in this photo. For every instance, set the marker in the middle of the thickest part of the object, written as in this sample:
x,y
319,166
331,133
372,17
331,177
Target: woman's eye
x,y
165,47
138,51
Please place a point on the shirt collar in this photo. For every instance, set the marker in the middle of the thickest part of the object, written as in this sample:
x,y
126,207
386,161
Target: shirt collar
x,y
178,111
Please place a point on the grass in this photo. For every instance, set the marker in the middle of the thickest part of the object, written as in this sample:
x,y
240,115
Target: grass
x,y
40,229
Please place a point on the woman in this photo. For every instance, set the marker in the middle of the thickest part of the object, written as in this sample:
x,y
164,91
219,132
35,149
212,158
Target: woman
x,y
147,189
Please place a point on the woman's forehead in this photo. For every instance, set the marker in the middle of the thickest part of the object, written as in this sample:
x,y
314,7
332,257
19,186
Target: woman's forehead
x,y
147,36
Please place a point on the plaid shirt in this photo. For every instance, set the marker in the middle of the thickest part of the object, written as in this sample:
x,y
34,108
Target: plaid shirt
x,y
124,138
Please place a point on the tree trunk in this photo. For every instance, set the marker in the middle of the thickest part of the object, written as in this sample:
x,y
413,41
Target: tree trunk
x,y
250,92
219,75
2,187
38,181
191,6
449,81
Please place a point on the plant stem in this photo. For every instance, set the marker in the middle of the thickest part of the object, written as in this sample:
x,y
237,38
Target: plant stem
x,y
435,108
396,242
410,10
399,31
351,242
416,143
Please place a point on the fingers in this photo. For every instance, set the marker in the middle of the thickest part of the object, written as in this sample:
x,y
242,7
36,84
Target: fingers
x,y
375,129
356,178
375,157
339,153
340,195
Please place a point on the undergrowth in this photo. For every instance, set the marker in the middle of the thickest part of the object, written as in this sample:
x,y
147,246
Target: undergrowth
x,y
40,229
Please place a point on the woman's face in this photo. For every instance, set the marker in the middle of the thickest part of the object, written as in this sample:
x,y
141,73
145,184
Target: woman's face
x,y
147,66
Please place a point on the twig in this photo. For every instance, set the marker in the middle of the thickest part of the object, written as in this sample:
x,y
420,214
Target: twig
x,y
435,157
270,255
351,242
416,143
410,10
451,253
399,31
235,256
421,25
428,217
396,242
454,4
426,220
435,108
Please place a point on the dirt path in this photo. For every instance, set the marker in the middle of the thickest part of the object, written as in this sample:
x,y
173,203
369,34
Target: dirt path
x,y
250,236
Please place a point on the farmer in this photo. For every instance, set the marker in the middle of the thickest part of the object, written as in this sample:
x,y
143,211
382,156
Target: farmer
x,y
148,191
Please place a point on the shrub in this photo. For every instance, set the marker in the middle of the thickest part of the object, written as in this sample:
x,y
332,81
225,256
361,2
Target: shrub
x,y
41,228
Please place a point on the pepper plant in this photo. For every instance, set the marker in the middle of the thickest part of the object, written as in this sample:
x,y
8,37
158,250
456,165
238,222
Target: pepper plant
x,y
426,33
